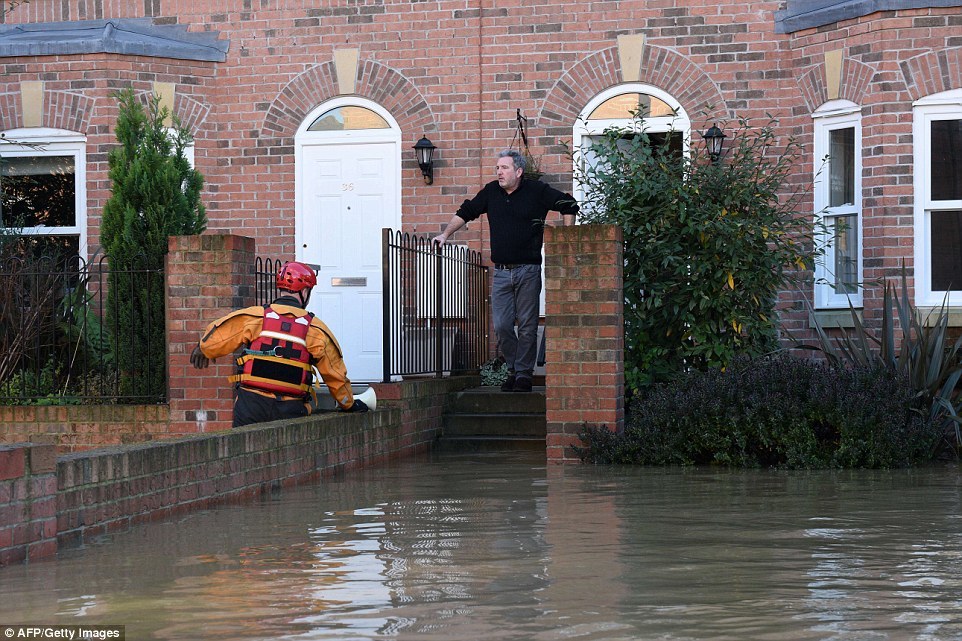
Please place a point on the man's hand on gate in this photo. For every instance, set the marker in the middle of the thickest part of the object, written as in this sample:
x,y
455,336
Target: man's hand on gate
x,y
197,358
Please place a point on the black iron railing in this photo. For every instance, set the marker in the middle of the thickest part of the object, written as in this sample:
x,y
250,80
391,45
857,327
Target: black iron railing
x,y
435,307
265,279
64,341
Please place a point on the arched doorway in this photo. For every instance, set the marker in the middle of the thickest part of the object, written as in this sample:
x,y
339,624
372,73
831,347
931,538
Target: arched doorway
x,y
348,187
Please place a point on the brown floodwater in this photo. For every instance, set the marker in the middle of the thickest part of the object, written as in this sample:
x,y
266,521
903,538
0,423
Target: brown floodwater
x,y
489,547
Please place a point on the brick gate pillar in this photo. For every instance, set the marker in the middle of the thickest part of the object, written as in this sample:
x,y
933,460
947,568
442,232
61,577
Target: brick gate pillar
x,y
584,334
207,276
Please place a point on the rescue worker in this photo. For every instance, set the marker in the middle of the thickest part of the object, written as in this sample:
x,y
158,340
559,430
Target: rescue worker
x,y
282,344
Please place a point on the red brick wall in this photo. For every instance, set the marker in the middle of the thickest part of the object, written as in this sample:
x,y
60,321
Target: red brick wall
x,y
584,334
208,276
80,427
45,501
28,502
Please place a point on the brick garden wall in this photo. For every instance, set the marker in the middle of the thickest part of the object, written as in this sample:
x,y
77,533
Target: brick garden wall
x,y
28,502
584,334
46,501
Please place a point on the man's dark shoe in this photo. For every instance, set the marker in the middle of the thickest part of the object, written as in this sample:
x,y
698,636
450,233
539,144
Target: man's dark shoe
x,y
522,384
508,384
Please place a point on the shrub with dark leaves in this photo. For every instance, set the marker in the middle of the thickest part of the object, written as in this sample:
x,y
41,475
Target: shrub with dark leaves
x,y
773,412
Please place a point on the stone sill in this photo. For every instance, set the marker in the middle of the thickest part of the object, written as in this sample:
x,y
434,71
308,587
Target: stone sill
x,y
834,318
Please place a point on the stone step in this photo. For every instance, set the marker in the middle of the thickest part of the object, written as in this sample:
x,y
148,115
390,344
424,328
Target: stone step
x,y
508,425
488,444
491,400
485,419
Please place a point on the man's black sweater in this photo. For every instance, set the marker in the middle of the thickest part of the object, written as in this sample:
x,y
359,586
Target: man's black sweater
x,y
517,219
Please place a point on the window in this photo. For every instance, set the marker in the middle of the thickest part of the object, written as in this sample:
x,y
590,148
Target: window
x,y
937,135
838,204
663,120
43,188
348,117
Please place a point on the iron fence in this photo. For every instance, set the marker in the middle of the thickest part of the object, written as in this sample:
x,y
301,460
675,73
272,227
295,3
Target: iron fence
x,y
435,307
265,279
63,340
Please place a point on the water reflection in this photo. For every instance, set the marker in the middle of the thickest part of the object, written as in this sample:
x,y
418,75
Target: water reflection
x,y
480,548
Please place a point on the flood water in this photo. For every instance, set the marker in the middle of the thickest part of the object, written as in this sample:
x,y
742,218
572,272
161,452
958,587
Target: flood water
x,y
480,547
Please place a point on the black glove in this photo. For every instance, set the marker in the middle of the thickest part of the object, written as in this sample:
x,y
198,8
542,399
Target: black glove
x,y
197,358
359,406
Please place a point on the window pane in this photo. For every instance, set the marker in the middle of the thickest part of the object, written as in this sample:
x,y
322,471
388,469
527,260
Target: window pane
x,y
55,249
946,251
38,190
624,105
947,160
841,164
846,254
347,118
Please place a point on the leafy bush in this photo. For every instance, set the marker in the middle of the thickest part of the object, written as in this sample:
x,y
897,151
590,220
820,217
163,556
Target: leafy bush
x,y
774,412
708,246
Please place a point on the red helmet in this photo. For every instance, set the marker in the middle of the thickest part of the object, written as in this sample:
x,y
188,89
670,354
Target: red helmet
x,y
294,277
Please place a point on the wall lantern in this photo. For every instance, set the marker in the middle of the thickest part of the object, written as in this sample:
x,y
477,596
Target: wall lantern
x,y
424,152
714,138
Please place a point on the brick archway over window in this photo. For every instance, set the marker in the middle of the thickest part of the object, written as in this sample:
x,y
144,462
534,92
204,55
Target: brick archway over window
x,y
61,110
931,73
660,67
375,81
855,79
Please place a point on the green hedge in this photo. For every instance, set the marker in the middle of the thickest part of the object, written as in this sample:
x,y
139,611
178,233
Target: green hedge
x,y
774,412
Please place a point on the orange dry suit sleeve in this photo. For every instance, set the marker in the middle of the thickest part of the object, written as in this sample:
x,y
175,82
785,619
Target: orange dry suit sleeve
x,y
226,334
329,361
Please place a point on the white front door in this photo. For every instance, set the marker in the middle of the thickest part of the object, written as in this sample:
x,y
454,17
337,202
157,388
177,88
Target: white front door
x,y
348,193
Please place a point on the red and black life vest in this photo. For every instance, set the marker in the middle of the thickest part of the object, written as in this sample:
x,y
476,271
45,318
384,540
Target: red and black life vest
x,y
278,360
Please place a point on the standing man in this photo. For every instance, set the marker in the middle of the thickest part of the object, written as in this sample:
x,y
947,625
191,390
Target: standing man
x,y
516,209
282,344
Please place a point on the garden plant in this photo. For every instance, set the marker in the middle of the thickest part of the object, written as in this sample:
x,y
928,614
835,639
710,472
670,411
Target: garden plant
x,y
155,194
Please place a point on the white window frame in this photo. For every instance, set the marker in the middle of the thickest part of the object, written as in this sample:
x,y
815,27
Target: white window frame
x,y
44,141
833,116
585,128
942,106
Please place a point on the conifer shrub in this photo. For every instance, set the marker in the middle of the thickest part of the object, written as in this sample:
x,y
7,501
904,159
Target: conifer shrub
x,y
155,194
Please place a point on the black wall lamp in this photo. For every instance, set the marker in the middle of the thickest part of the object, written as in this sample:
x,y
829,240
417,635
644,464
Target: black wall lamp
x,y
714,138
424,152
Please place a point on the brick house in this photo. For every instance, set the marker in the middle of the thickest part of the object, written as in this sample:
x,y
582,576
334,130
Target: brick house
x,y
304,116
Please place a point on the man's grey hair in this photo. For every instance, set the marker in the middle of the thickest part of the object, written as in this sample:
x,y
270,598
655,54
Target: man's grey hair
x,y
516,157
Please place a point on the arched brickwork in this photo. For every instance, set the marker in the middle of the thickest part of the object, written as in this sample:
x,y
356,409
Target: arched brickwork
x,y
660,67
70,111
61,110
375,81
10,116
932,72
855,79
191,112
73,111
